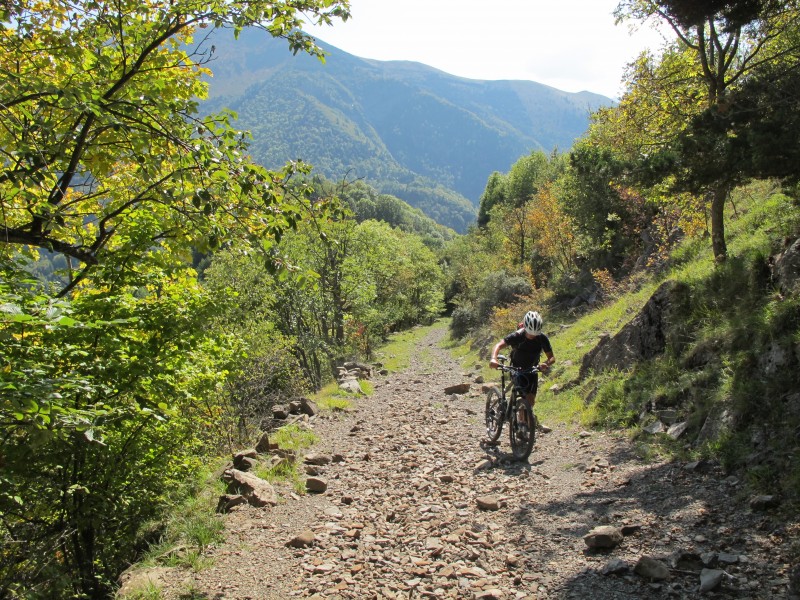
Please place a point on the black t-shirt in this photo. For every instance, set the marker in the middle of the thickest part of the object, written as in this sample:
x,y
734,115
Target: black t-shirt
x,y
527,351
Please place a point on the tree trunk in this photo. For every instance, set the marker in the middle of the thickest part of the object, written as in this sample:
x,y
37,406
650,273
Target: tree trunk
x,y
718,198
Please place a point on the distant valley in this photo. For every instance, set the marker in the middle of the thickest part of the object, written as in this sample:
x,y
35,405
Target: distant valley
x,y
409,130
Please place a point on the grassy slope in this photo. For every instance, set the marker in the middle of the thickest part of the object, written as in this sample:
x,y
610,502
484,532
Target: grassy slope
x,y
717,359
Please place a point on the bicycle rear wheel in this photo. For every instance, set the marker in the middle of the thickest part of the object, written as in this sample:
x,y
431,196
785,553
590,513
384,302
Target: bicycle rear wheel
x,y
494,414
522,428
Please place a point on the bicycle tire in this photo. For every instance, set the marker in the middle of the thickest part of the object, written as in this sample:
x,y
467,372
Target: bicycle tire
x,y
494,414
522,432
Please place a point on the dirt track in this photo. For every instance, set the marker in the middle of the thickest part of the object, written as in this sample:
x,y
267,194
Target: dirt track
x,y
401,518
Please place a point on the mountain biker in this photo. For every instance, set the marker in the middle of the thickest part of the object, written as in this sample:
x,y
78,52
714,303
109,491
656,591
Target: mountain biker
x,y
527,343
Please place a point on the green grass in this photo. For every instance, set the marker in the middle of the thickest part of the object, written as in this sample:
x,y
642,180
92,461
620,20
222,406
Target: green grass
x,y
149,591
284,472
294,437
192,526
396,354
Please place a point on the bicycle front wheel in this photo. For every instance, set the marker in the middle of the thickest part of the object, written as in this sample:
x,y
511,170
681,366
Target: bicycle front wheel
x,y
523,429
494,414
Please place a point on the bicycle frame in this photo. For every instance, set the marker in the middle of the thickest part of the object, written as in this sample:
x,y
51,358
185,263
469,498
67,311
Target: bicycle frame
x,y
500,408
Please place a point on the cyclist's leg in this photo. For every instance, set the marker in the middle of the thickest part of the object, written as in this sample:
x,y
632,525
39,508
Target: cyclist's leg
x,y
530,396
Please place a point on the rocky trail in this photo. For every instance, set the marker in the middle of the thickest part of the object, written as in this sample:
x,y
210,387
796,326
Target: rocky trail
x,y
417,507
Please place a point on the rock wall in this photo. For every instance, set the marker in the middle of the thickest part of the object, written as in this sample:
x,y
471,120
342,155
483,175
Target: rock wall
x,y
644,337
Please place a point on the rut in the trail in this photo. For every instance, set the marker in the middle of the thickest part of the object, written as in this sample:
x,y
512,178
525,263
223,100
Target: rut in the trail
x,y
416,508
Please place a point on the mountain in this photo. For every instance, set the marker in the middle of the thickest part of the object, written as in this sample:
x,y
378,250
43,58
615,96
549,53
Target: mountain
x,y
427,137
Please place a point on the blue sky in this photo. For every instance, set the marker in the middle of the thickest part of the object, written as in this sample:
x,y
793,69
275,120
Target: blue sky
x,y
572,45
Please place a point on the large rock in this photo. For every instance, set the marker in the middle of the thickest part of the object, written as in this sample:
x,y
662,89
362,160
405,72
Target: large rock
x,y
787,269
644,337
351,385
229,501
710,579
257,491
604,536
651,568
459,388
308,407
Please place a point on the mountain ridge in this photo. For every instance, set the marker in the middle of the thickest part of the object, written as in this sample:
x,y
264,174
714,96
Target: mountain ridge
x,y
409,129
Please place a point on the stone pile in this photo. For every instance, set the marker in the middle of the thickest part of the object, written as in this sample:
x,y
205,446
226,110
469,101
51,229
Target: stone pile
x,y
350,373
294,410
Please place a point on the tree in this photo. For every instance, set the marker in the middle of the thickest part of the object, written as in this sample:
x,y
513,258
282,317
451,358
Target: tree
x,y
104,156
728,45
111,383
494,194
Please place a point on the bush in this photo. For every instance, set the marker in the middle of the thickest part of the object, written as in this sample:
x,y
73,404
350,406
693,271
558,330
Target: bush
x,y
465,319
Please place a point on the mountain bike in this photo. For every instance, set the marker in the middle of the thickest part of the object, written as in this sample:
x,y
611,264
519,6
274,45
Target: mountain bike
x,y
515,409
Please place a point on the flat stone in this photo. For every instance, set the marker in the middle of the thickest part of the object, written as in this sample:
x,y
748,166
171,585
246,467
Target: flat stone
x,y
316,485
615,566
710,579
651,568
460,388
488,502
604,536
257,491
303,540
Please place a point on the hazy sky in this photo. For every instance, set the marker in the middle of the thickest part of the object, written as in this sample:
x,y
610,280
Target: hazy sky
x,y
572,45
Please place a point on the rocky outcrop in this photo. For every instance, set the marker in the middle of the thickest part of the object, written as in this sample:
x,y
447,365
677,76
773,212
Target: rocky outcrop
x,y
644,337
786,271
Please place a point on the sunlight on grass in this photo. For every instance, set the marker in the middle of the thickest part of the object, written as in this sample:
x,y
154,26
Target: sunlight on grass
x,y
192,526
148,591
396,354
294,437
284,472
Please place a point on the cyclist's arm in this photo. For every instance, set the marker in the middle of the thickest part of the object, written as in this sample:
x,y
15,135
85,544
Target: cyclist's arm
x,y
545,366
498,346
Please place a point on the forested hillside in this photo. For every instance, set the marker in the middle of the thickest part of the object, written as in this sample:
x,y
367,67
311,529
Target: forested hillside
x,y
422,135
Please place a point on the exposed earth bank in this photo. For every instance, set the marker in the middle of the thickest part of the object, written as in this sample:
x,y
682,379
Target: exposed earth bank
x,y
417,507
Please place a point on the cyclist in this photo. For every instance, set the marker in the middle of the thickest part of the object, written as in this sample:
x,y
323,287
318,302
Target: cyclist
x,y
528,343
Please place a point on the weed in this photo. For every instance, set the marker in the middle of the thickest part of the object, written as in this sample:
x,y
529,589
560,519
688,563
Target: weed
x,y
396,354
294,437
284,471
149,591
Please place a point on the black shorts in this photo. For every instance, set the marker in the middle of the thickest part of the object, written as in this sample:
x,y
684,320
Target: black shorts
x,y
527,383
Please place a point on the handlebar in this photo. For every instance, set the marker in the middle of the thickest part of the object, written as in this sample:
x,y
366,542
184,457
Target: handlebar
x,y
510,369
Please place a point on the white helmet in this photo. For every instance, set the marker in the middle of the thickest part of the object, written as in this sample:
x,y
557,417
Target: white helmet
x,y
533,322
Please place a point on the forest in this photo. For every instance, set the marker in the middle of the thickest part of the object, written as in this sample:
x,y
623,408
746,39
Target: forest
x,y
160,289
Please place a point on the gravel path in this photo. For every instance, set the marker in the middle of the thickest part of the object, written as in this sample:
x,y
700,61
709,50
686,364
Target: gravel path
x,y
416,507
